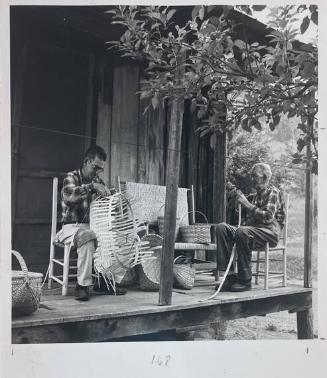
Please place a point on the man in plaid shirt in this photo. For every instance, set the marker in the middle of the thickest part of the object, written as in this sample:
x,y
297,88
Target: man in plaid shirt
x,y
264,218
79,188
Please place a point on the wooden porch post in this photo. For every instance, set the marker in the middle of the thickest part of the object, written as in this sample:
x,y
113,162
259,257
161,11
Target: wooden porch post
x,y
219,179
305,318
172,177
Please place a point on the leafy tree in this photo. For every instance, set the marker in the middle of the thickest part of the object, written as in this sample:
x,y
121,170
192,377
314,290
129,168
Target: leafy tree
x,y
231,82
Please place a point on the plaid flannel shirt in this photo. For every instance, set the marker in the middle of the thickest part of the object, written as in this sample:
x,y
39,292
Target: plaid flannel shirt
x,y
268,211
76,196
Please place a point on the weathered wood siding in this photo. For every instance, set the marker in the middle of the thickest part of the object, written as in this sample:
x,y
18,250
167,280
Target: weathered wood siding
x,y
124,130
104,115
152,144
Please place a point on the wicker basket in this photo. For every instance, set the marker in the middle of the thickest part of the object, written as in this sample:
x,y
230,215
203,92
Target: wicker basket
x,y
149,270
130,278
184,275
196,233
161,220
25,289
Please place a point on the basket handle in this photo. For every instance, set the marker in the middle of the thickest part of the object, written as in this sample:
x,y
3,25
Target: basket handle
x,y
22,264
196,211
184,257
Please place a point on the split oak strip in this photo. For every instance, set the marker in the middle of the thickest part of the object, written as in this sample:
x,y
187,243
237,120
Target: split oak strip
x,y
137,313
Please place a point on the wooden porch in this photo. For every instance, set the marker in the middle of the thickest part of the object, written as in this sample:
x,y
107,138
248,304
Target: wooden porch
x,y
63,319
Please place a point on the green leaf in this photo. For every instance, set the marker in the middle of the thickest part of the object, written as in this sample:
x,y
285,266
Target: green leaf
x,y
245,125
314,166
204,132
272,126
195,11
246,9
305,24
201,113
213,140
240,44
300,144
276,119
313,8
314,17
258,8
291,113
257,125
201,13
155,25
309,98
280,69
193,105
302,127
155,102
170,14
308,70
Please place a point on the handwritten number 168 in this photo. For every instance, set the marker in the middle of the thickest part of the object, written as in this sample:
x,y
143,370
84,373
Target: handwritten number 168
x,y
160,361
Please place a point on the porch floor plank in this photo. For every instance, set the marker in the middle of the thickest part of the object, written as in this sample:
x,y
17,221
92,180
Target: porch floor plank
x,y
63,319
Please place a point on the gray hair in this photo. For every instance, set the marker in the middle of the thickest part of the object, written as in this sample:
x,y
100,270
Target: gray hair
x,y
263,169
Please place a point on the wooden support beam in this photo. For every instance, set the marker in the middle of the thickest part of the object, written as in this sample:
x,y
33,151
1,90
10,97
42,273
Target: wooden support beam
x,y
305,318
308,211
219,179
305,324
172,177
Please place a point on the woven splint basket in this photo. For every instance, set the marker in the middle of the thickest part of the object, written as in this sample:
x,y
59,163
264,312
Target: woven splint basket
x,y
149,270
196,233
25,289
184,275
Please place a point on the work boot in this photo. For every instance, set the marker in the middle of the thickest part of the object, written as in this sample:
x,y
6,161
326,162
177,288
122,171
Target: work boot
x,y
81,293
229,281
101,287
241,286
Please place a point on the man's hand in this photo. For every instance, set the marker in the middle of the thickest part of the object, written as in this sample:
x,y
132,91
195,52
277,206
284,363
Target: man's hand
x,y
101,189
240,197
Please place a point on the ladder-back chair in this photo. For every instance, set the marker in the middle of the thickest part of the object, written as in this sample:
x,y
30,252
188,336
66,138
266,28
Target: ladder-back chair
x,y
62,263
267,251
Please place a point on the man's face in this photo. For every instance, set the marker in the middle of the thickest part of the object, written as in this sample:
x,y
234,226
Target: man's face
x,y
259,180
93,167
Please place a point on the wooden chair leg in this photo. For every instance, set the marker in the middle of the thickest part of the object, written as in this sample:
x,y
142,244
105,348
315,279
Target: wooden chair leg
x,y
284,267
52,255
65,269
257,265
235,261
266,266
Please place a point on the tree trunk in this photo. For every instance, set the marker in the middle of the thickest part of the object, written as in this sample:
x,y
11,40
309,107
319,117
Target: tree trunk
x,y
172,176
